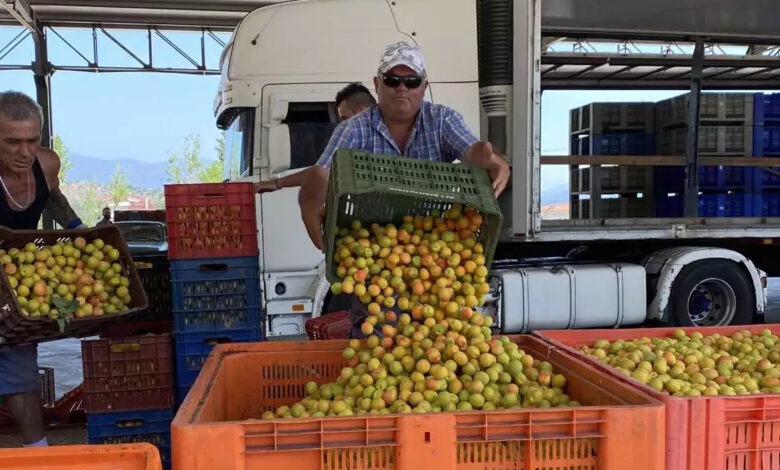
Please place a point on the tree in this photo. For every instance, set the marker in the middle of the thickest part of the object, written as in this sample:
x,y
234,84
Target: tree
x,y
214,173
118,188
187,167
157,198
87,202
65,162
220,146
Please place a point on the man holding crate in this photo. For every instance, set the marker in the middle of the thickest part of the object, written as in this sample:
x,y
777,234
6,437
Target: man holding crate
x,y
404,125
29,183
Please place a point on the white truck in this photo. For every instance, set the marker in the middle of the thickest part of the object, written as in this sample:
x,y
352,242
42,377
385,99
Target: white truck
x,y
281,71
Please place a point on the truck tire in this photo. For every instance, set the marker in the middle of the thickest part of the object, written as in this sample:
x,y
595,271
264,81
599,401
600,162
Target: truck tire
x,y
712,293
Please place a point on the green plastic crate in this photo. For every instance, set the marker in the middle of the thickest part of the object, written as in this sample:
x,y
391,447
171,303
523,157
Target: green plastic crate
x,y
383,189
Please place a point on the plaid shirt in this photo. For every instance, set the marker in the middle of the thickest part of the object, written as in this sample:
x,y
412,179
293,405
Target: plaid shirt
x,y
439,133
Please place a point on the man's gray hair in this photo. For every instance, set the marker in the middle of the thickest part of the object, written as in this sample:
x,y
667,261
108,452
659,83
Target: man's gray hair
x,y
17,106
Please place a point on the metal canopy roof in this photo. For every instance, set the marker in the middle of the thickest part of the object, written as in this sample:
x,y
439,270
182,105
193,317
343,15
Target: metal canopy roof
x,y
716,20
752,20
657,71
214,14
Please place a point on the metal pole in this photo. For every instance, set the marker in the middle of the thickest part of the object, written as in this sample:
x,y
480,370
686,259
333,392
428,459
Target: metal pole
x,y
42,75
692,154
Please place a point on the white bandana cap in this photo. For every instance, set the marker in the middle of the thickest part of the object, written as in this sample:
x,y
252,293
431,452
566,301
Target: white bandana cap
x,y
402,53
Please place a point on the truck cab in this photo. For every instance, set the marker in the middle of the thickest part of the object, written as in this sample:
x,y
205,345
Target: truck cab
x,y
277,103
280,73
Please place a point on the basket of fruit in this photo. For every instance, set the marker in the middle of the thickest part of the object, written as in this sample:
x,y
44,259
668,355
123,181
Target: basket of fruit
x,y
454,201
64,283
720,386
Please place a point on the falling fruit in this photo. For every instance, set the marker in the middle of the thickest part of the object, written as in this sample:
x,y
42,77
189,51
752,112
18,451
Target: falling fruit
x,y
427,348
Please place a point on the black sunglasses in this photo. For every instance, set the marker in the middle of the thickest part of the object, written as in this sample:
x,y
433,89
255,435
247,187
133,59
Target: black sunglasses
x,y
394,81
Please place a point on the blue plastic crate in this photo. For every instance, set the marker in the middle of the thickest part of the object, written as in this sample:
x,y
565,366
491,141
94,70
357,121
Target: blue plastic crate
x,y
725,205
614,144
122,427
192,349
672,179
766,140
766,204
763,180
215,295
710,205
766,108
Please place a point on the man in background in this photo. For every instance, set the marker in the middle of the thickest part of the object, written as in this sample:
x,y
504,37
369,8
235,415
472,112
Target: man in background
x,y
106,220
351,100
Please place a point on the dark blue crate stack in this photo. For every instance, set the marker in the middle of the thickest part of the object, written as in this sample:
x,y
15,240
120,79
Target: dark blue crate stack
x,y
727,123
123,427
625,143
766,143
214,301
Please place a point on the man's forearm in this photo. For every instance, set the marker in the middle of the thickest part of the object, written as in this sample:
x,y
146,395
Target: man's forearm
x,y
314,188
295,179
60,210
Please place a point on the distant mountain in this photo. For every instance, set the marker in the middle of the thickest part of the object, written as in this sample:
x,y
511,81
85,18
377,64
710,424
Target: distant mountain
x,y
556,195
97,170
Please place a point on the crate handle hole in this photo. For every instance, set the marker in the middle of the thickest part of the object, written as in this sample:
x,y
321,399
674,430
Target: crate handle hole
x,y
427,436
125,347
212,341
129,423
213,268
210,196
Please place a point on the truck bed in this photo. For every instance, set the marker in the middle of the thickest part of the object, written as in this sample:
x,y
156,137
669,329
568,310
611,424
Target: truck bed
x,y
655,229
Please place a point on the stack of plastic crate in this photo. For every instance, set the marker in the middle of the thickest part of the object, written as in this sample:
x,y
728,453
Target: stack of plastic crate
x,y
611,191
726,130
128,389
766,143
215,281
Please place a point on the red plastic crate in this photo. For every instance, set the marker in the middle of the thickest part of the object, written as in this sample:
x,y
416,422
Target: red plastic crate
x,y
331,326
702,433
213,220
126,374
133,328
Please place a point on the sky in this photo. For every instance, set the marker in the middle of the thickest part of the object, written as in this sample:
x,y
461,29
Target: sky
x,y
144,116
141,116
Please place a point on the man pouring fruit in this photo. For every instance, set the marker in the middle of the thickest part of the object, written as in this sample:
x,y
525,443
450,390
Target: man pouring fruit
x,y
401,124
29,184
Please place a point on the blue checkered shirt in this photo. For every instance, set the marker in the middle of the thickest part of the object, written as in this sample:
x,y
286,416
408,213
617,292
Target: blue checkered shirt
x,y
439,133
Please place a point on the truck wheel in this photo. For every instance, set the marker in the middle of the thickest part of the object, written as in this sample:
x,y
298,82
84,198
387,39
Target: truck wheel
x,y
712,293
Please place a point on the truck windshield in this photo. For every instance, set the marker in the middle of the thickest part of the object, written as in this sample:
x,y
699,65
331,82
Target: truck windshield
x,y
142,232
238,145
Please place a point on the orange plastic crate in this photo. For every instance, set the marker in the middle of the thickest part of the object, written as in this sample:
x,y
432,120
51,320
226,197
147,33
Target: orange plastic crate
x,y
82,457
703,433
217,426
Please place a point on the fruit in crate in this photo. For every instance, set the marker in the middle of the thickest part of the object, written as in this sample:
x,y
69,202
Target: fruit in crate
x,y
428,349
87,277
697,365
